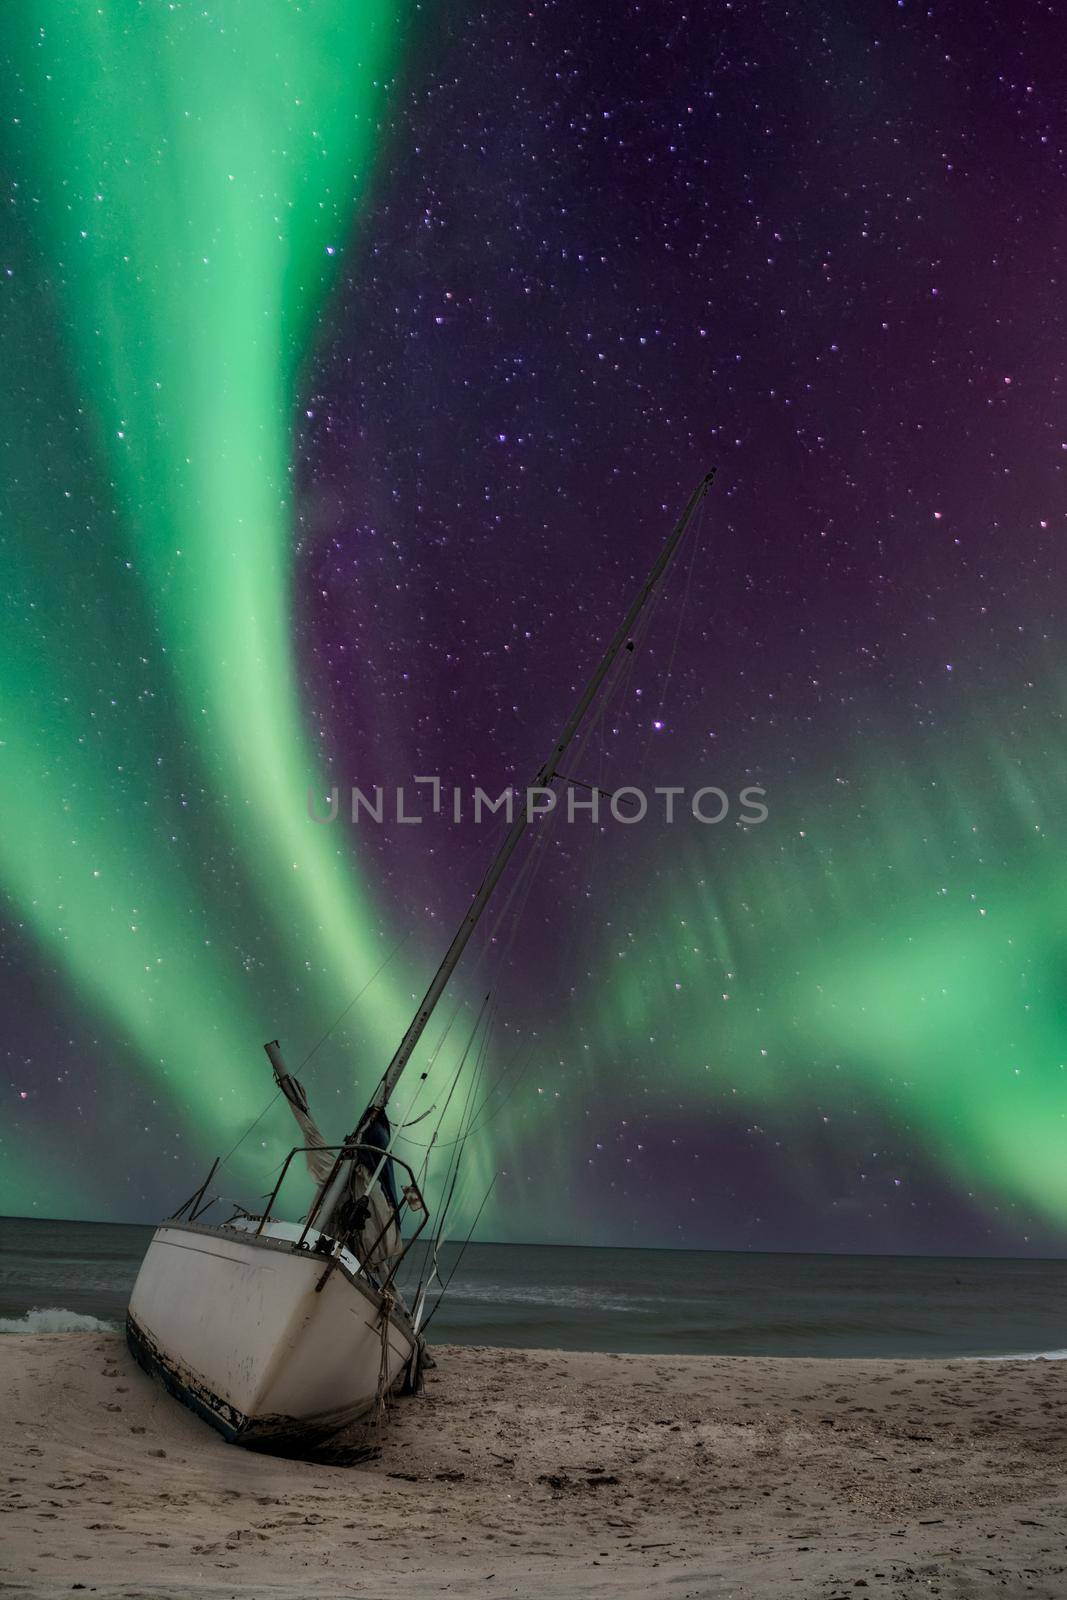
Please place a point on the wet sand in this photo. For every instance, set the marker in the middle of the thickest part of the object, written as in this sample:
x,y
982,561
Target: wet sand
x,y
539,1473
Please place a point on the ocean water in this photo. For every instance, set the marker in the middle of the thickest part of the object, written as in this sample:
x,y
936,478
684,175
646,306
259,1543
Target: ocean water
x,y
65,1276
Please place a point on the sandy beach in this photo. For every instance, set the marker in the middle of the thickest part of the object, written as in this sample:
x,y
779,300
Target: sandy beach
x,y
536,1473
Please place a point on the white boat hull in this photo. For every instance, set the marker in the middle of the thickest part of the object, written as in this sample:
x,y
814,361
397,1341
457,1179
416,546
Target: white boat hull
x,y
262,1340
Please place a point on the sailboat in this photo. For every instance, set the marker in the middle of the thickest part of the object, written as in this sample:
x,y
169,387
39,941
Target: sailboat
x,y
281,1334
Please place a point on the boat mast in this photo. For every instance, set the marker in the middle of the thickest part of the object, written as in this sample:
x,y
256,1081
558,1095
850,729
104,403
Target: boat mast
x,y
546,775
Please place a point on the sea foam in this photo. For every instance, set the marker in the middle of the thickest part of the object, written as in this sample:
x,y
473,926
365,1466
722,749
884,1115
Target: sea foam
x,y
1027,1355
54,1319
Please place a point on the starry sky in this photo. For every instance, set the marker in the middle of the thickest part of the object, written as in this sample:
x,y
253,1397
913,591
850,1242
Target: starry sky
x,y
357,361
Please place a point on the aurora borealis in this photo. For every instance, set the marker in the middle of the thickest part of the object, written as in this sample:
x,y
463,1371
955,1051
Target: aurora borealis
x,y
356,362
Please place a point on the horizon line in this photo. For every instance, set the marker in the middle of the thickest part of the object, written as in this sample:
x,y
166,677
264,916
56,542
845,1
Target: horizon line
x,y
675,1249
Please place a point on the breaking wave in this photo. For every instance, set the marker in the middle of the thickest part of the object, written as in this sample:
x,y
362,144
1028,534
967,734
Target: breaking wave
x,y
54,1319
1027,1355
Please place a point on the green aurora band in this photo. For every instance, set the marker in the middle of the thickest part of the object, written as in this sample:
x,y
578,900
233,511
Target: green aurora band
x,y
186,185
896,937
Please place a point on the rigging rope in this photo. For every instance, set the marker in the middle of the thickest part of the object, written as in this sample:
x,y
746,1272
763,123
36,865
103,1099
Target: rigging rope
x,y
698,528
462,1252
615,699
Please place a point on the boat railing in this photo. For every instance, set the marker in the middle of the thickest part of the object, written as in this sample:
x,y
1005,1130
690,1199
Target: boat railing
x,y
411,1202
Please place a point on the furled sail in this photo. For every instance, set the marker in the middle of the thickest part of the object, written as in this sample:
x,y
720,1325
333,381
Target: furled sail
x,y
320,1162
355,1210
364,1206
